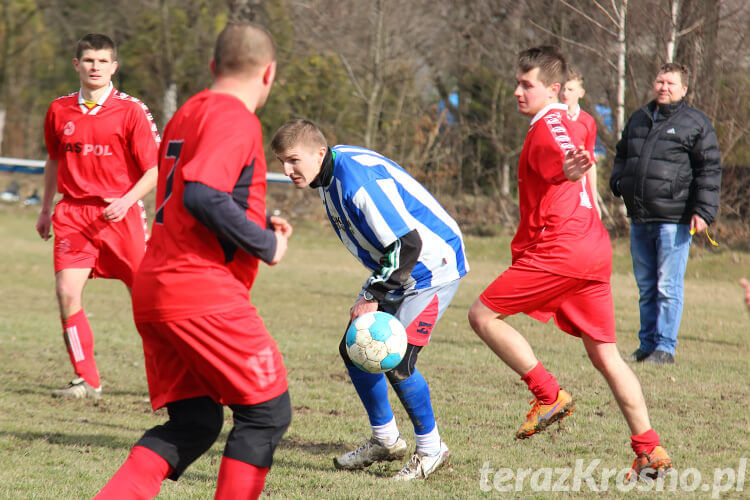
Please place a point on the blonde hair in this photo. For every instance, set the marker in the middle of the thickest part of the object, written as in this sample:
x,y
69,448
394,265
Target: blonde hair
x,y
295,132
574,75
678,68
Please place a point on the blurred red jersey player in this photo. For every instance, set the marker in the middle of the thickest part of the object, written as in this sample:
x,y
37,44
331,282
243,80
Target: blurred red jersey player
x,y
572,92
102,148
204,343
561,265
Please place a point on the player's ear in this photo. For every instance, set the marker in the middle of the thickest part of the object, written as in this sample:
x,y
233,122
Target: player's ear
x,y
555,88
212,65
115,65
269,73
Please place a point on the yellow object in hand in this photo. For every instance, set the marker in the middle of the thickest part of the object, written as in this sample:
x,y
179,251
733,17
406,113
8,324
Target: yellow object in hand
x,y
714,243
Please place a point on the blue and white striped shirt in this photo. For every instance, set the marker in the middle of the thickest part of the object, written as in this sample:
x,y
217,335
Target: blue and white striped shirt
x,y
372,202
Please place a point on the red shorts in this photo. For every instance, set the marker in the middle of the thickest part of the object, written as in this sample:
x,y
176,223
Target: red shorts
x,y
578,306
229,357
84,239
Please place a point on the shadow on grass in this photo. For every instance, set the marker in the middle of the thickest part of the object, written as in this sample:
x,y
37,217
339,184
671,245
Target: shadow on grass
x,y
46,390
317,450
312,447
711,341
76,440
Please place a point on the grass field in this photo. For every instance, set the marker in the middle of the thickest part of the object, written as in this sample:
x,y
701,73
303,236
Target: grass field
x,y
68,449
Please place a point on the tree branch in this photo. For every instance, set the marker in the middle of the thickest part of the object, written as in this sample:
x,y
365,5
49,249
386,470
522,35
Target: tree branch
x,y
591,19
574,43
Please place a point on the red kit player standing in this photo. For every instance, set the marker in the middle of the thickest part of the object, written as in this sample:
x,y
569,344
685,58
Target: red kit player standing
x,y
102,146
561,265
204,343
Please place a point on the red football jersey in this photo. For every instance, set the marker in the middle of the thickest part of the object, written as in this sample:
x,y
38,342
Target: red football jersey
x,y
589,128
103,151
187,270
559,231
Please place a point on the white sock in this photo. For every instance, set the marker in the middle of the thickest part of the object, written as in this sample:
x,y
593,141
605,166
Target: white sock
x,y
428,444
387,434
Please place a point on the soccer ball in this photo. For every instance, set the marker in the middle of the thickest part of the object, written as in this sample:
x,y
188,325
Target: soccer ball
x,y
376,342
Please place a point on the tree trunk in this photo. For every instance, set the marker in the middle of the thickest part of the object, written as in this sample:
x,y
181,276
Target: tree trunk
x,y
673,27
169,105
374,100
2,128
621,51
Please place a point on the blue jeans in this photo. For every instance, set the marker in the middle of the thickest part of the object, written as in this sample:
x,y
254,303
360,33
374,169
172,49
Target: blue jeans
x,y
660,255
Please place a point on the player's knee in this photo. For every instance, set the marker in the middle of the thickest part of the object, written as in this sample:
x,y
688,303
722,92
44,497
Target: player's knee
x,y
68,297
481,318
193,426
406,368
258,429
477,316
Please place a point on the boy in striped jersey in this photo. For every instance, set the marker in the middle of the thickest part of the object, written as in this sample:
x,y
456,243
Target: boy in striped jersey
x,y
415,251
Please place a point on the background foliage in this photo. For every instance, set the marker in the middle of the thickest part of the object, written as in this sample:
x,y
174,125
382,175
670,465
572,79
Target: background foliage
x,y
379,73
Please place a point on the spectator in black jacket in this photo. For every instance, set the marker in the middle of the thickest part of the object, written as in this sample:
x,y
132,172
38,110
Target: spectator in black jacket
x,y
668,171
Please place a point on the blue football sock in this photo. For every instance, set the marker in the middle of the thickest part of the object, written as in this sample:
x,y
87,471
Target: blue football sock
x,y
373,391
415,396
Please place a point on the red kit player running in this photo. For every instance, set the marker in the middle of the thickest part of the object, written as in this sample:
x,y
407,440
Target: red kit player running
x,y
204,343
102,146
561,265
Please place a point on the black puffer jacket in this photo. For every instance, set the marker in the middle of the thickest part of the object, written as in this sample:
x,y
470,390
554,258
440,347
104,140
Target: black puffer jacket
x,y
669,169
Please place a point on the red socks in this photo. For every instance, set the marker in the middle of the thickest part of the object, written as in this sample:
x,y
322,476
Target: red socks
x,y
140,477
644,443
79,340
542,383
239,480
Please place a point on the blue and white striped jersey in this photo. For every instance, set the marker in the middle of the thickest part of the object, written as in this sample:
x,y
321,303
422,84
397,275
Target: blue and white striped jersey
x,y
372,202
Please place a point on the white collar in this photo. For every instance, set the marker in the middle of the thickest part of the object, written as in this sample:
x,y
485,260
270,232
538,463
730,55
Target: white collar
x,y
547,109
95,109
574,116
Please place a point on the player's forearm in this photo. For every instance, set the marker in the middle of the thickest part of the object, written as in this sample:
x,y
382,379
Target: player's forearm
x,y
397,265
224,217
145,184
50,184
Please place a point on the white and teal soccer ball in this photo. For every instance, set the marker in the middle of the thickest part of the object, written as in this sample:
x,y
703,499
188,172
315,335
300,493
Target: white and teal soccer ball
x,y
376,342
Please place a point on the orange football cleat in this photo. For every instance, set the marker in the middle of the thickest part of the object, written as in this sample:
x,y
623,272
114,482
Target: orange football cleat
x,y
540,416
650,465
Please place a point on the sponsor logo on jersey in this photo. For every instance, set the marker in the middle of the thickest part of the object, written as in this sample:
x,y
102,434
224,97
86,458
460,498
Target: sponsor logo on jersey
x,y
87,149
69,128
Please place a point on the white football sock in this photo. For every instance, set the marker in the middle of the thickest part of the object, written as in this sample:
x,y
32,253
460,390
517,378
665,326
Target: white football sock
x,y
387,434
428,444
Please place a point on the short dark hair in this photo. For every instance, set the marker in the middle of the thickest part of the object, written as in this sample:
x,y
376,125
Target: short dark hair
x,y
673,67
298,131
243,47
551,63
96,41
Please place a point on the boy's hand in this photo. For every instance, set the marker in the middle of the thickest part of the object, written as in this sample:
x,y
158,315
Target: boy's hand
x,y
576,163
